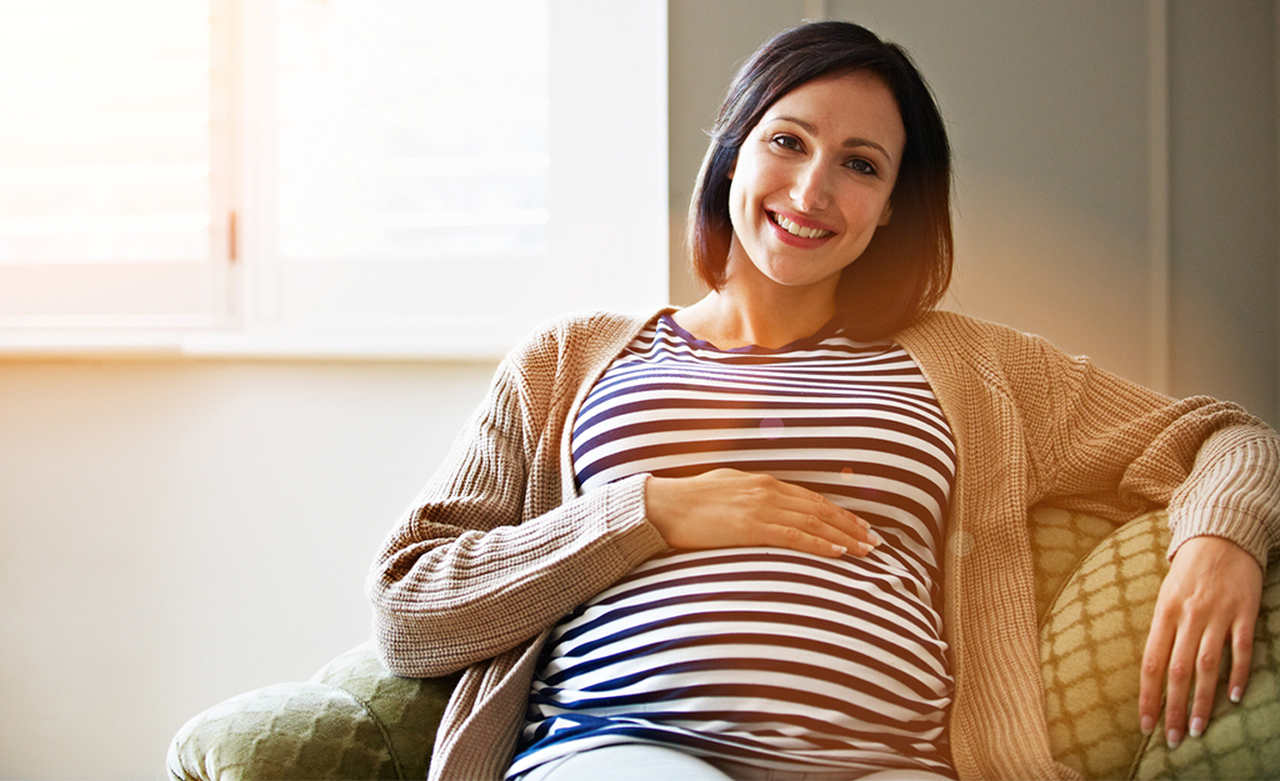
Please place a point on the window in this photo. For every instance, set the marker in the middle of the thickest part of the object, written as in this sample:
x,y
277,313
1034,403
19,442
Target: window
x,y
328,176
109,156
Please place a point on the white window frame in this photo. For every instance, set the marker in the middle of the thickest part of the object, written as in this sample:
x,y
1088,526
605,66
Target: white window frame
x,y
205,286
607,239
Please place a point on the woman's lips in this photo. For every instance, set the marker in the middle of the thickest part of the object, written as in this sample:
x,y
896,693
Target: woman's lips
x,y
787,237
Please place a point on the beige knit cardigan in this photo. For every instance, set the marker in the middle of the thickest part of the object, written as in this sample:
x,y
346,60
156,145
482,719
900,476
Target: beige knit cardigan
x,y
499,545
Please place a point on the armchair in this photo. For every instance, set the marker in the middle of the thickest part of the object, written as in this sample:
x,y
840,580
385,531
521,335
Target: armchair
x,y
1095,593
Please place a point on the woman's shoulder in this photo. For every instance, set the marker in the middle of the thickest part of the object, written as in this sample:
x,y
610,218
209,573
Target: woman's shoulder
x,y
968,332
577,336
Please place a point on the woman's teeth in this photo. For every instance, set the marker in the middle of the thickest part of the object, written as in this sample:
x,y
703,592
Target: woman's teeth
x,y
796,230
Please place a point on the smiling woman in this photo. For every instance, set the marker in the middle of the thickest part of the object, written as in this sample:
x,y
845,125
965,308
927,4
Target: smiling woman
x,y
668,546
849,164
782,532
810,185
803,180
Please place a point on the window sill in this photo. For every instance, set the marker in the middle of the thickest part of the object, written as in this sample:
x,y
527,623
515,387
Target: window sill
x,y
200,345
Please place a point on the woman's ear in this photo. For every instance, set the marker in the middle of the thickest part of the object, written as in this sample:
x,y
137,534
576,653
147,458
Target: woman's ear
x,y
886,215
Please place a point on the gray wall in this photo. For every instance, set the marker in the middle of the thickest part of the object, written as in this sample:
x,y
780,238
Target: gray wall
x,y
708,40
1070,199
1223,203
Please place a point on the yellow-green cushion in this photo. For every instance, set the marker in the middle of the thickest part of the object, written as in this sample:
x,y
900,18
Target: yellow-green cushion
x,y
1091,644
1059,540
1092,637
407,709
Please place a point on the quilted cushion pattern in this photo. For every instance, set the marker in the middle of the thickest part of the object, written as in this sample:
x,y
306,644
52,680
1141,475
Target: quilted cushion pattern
x,y
407,709
1059,540
1242,741
285,731
352,720
1091,644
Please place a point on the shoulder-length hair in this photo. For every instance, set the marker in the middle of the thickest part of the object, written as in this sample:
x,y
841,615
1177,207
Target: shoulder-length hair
x,y
906,267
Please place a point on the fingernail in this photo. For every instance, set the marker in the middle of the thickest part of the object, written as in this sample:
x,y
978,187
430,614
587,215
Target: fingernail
x,y
1173,738
1237,694
839,550
876,539
864,548
1197,727
1148,724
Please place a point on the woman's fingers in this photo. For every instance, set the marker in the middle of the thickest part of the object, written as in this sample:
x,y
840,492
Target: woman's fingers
x,y
1207,660
1208,598
1155,661
1241,655
1182,664
849,524
808,533
726,508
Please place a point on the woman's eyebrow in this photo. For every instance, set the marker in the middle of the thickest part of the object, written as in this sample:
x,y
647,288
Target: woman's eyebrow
x,y
848,142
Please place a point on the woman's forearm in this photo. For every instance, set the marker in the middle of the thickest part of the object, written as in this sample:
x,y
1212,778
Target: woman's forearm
x,y
445,597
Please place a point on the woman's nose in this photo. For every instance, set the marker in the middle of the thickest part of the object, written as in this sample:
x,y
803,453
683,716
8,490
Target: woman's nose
x,y
811,189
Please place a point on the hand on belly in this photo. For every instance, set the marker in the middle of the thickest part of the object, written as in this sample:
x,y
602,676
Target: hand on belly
x,y
725,508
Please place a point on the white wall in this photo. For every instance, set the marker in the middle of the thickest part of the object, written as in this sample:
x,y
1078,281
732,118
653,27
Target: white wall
x,y
178,532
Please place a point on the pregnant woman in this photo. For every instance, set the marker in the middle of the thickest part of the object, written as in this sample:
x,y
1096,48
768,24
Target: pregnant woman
x,y
781,533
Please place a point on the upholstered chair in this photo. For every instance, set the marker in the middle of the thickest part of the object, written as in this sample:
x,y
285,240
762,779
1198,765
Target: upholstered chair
x,y
1095,592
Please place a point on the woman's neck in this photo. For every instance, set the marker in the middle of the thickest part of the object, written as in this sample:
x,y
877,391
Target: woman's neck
x,y
751,308
730,321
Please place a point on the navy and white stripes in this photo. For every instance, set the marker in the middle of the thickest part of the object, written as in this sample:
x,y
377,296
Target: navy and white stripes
x,y
763,655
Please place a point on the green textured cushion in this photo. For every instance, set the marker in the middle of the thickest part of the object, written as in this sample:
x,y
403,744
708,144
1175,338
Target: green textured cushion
x,y
352,720
285,731
409,709
1092,637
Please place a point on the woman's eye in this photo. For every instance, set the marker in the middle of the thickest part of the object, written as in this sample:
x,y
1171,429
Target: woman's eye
x,y
788,142
862,166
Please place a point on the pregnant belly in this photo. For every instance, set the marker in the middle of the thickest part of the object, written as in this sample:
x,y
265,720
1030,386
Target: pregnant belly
x,y
754,641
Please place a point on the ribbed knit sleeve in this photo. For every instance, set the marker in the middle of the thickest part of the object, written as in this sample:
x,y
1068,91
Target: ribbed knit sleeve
x,y
470,572
1233,491
1112,447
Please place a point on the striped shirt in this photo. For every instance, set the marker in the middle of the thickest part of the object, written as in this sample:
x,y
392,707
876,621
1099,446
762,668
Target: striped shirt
x,y
763,656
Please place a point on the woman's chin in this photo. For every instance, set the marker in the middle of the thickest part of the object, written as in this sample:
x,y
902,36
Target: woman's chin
x,y
798,277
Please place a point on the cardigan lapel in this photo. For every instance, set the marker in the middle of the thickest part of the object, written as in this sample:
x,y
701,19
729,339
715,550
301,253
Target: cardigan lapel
x,y
609,340
997,722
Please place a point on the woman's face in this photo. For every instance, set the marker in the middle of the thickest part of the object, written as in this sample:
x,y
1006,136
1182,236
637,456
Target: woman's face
x,y
812,180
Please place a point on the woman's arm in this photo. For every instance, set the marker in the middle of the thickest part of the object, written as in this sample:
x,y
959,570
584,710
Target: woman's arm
x,y
464,577
1104,444
1111,446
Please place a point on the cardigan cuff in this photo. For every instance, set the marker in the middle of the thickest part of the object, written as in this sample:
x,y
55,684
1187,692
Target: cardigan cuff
x,y
636,539
1239,527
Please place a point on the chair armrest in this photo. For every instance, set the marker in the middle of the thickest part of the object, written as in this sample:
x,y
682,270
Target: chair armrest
x,y
283,731
407,709
1092,638
352,720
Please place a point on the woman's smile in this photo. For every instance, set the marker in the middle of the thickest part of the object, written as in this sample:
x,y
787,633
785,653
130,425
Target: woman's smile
x,y
797,231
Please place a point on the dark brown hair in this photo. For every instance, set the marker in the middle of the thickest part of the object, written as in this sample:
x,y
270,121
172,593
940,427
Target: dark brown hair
x,y
906,267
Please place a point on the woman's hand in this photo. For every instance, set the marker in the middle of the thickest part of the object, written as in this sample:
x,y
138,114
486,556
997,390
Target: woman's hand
x,y
1209,597
726,508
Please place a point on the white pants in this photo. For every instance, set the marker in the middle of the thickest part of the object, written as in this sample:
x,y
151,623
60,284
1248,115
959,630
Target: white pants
x,y
641,762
